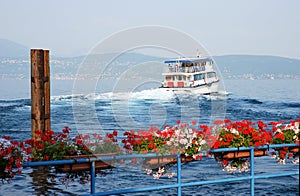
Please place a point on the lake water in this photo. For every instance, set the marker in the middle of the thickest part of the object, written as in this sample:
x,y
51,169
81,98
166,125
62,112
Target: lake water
x,y
267,100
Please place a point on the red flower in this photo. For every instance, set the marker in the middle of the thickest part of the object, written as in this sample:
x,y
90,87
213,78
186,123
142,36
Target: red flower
x,y
85,147
227,121
257,144
225,161
64,135
66,130
49,132
198,157
216,145
204,127
115,133
79,141
38,132
44,138
279,136
151,146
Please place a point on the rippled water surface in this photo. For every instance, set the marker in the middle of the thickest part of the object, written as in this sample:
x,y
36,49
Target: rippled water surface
x,y
267,100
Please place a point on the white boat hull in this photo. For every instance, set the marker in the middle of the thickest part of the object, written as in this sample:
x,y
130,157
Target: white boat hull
x,y
203,89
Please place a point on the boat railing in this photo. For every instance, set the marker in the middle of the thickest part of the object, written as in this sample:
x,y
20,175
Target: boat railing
x,y
184,70
252,177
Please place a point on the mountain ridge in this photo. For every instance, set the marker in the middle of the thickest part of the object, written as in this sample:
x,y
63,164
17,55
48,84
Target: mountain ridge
x,y
10,48
230,66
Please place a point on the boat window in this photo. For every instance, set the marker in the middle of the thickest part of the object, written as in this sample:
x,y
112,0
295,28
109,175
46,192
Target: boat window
x,y
202,68
179,77
168,78
211,74
174,77
184,77
199,77
195,77
202,76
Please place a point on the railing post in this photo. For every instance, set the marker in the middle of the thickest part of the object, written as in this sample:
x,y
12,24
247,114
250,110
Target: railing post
x,y
179,174
252,171
92,173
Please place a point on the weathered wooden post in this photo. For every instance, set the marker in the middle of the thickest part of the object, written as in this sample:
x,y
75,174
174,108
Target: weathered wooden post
x,y
40,91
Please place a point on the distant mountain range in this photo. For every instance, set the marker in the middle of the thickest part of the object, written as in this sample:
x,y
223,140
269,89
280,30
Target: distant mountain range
x,y
15,63
12,49
258,66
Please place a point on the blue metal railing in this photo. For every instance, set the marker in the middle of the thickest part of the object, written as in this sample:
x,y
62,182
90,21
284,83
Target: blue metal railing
x,y
179,184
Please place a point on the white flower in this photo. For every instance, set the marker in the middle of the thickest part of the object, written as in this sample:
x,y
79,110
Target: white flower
x,y
194,135
161,170
148,171
234,131
296,127
188,145
202,142
183,141
93,148
156,175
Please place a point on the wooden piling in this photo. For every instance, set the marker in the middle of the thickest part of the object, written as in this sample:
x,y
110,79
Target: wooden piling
x,y
40,91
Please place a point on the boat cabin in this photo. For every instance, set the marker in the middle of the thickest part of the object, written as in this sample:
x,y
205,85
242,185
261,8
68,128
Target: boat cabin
x,y
189,72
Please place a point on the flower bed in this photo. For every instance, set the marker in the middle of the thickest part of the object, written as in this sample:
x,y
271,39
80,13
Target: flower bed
x,y
50,146
239,134
12,155
172,140
286,133
181,138
61,146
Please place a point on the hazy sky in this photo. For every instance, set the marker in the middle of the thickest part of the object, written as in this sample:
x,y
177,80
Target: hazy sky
x,y
73,27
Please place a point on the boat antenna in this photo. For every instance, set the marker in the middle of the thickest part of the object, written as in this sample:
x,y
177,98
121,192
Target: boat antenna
x,y
198,55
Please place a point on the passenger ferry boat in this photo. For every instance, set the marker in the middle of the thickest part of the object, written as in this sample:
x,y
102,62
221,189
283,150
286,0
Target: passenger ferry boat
x,y
194,75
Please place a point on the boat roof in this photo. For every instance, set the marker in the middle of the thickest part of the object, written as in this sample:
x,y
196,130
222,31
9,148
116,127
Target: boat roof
x,y
187,60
